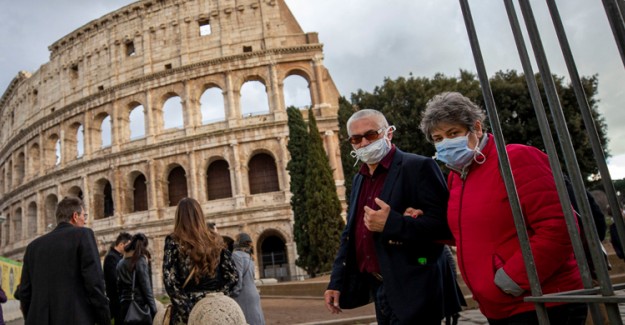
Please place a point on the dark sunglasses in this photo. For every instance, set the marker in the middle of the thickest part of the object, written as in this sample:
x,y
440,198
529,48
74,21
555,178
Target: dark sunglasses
x,y
369,135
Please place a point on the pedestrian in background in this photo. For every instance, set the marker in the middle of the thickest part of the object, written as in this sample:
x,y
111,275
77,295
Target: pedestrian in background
x,y
135,267
245,292
62,279
195,261
385,256
480,217
3,299
114,255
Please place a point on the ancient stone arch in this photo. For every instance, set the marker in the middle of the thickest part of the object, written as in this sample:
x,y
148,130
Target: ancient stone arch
x,y
142,54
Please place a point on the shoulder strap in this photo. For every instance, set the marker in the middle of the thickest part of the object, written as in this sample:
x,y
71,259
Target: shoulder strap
x,y
132,291
188,278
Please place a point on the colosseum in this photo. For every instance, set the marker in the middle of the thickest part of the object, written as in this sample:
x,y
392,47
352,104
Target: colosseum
x,y
160,100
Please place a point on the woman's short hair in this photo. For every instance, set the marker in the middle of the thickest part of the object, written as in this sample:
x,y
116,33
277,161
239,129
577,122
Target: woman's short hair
x,y
450,108
364,113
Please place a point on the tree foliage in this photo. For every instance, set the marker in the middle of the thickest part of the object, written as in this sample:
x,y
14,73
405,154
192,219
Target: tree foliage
x,y
403,100
298,148
346,109
315,203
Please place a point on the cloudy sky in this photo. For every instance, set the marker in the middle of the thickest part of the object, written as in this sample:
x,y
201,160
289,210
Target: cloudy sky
x,y
366,41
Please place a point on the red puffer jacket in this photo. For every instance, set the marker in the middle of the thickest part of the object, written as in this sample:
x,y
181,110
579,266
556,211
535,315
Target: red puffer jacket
x,y
481,221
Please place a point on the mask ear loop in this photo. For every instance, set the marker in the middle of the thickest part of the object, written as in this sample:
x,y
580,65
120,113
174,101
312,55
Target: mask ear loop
x,y
354,155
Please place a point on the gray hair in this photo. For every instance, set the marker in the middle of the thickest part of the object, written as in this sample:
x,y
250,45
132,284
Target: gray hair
x,y
450,108
367,113
66,208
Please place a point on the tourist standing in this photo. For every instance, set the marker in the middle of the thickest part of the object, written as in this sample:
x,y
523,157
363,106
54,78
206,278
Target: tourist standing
x,y
245,292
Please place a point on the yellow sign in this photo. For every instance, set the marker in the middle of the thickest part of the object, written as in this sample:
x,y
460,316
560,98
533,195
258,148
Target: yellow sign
x,y
10,275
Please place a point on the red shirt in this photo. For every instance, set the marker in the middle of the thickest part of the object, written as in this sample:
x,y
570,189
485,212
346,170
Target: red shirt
x,y
369,190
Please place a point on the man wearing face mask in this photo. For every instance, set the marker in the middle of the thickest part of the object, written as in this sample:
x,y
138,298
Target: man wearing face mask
x,y
385,256
480,217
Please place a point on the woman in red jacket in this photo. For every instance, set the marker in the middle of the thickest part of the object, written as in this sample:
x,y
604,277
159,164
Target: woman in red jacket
x,y
480,217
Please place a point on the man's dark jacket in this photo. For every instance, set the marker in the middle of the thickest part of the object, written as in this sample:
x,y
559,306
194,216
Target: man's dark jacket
x,y
62,281
110,279
411,263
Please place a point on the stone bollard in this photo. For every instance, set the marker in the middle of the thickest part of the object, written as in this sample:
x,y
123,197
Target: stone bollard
x,y
216,308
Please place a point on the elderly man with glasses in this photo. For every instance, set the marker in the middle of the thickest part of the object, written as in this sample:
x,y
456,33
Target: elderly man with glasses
x,y
386,255
62,280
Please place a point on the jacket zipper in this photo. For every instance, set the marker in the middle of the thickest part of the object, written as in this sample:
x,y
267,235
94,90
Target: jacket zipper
x,y
466,280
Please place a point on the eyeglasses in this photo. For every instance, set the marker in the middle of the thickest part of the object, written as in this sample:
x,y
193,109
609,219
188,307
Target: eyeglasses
x,y
369,135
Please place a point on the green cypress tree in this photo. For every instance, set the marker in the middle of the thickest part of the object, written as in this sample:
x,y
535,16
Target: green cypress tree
x,y
323,208
346,109
298,148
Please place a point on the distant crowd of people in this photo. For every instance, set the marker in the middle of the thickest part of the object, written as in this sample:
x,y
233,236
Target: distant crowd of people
x,y
394,251
63,281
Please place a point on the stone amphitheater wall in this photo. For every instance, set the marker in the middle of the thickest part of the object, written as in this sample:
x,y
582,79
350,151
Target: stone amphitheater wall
x,y
143,55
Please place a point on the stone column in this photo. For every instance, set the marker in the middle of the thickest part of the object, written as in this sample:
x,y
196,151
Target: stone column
x,y
149,118
318,69
237,176
86,194
193,173
330,146
284,174
41,214
115,127
233,115
152,186
118,203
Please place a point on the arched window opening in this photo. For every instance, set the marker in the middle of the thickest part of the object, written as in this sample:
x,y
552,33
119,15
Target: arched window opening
x,y
172,113
106,132
263,174
50,211
80,141
32,220
274,261
218,180
103,203
20,168
176,185
57,150
51,155
254,100
296,92
137,123
17,225
109,207
140,194
33,162
76,191
212,106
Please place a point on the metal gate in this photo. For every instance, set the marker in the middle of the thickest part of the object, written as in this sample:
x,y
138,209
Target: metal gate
x,y
605,292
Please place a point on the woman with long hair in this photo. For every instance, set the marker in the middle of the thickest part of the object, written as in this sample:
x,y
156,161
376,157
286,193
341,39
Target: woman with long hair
x,y
135,266
196,261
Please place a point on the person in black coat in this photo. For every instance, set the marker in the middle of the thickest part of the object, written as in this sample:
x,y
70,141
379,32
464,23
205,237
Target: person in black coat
x,y
135,264
113,257
62,280
385,256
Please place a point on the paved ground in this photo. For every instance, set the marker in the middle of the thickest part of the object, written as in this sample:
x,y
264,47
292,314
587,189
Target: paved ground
x,y
307,311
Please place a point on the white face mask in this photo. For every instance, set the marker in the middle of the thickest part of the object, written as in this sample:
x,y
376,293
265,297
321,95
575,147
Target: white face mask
x,y
375,151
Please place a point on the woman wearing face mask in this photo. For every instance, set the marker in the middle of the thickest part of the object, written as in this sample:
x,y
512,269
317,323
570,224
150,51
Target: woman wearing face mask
x,y
480,216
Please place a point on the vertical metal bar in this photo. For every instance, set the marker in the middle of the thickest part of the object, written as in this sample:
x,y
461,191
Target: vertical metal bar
x,y
561,128
506,171
552,154
615,17
601,268
594,242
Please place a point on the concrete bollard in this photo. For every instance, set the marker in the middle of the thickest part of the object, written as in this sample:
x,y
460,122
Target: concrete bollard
x,y
216,308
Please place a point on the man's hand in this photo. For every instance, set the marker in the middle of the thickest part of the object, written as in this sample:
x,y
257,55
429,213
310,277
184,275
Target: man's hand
x,y
332,301
412,212
376,219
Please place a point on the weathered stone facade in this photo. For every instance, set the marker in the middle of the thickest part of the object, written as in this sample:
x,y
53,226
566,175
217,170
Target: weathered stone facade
x,y
135,59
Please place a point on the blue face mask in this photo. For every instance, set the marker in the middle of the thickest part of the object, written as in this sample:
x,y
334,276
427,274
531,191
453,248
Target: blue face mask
x,y
455,152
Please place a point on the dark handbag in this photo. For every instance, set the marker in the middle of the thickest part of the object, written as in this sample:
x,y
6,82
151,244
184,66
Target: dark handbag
x,y
354,290
136,314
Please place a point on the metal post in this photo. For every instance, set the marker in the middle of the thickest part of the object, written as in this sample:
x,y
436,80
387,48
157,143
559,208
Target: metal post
x,y
567,149
506,171
615,17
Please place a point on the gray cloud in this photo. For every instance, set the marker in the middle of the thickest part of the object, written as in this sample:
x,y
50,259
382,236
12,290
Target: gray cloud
x,y
366,40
